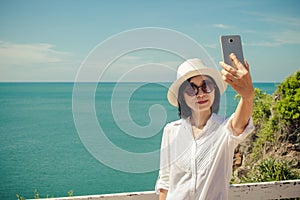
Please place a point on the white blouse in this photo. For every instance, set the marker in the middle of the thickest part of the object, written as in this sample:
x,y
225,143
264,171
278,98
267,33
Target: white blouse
x,y
198,168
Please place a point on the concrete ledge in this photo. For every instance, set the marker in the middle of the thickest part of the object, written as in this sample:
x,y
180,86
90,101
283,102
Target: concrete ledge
x,y
266,190
252,191
148,195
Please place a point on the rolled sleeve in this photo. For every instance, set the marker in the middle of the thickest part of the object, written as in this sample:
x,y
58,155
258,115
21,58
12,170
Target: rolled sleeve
x,y
162,183
237,139
164,172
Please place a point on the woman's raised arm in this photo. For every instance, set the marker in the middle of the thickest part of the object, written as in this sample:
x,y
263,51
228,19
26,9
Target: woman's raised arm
x,y
239,78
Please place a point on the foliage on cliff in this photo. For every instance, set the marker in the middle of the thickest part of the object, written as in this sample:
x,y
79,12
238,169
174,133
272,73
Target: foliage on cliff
x,y
272,152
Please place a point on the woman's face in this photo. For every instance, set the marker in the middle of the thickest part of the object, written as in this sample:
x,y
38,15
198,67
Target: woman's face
x,y
199,96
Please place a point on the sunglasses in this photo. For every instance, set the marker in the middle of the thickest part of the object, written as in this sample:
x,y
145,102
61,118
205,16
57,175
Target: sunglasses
x,y
206,87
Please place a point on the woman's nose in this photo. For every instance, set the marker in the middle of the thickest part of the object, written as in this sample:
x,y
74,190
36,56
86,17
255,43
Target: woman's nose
x,y
200,93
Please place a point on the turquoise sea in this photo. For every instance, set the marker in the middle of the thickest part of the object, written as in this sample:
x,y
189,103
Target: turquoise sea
x,y
41,147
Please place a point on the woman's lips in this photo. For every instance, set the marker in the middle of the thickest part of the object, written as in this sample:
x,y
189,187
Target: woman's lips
x,y
202,101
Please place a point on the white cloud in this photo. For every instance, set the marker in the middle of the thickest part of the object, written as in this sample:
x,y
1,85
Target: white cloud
x,y
275,39
284,29
35,62
222,26
287,37
27,54
285,21
278,19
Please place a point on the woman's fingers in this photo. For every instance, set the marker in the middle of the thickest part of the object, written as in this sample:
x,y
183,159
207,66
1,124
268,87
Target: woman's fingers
x,y
235,62
229,74
246,64
229,69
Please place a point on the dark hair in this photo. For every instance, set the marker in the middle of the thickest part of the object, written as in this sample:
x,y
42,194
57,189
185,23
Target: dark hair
x,y
184,111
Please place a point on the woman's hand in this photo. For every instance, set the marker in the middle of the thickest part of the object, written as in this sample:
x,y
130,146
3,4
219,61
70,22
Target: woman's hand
x,y
240,80
238,77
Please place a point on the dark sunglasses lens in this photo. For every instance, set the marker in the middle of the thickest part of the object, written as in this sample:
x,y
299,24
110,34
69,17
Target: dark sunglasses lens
x,y
191,91
207,87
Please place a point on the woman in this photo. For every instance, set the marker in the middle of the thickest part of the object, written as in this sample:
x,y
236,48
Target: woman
x,y
197,150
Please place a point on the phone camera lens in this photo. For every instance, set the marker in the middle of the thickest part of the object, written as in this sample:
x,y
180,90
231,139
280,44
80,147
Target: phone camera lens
x,y
230,40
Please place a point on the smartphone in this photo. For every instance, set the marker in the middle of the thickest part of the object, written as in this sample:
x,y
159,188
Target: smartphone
x,y
231,44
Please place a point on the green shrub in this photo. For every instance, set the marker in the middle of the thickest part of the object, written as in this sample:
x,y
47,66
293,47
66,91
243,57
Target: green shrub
x,y
266,138
272,169
288,96
276,118
265,134
262,107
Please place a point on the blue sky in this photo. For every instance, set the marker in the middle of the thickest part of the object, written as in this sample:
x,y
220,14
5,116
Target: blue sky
x,y
49,40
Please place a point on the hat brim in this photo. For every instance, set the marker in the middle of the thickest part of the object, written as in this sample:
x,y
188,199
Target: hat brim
x,y
174,88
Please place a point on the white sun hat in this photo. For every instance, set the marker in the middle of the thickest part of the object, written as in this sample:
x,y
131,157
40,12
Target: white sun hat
x,y
190,68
